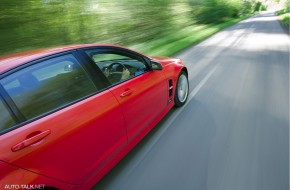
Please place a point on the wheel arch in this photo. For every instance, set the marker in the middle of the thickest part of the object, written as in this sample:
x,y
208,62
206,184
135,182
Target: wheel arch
x,y
185,70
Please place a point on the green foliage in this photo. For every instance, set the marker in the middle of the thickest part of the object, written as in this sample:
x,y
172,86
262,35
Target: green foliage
x,y
32,24
284,14
287,6
214,11
259,6
281,12
286,19
174,42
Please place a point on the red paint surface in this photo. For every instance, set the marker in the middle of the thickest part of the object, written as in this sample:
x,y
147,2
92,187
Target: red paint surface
x,y
86,139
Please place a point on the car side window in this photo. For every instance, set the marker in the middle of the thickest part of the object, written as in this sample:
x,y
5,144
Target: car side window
x,y
48,85
118,67
6,120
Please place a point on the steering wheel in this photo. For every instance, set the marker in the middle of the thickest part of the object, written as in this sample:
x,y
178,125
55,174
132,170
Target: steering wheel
x,y
115,71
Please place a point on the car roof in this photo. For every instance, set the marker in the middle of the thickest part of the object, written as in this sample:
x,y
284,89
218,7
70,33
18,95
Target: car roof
x,y
11,61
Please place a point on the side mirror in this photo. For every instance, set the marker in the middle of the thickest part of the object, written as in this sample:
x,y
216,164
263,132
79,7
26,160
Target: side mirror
x,y
155,65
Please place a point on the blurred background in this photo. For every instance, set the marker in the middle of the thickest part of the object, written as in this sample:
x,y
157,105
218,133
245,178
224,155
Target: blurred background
x,y
159,26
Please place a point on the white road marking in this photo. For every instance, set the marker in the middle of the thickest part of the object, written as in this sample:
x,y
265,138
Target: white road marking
x,y
190,97
167,124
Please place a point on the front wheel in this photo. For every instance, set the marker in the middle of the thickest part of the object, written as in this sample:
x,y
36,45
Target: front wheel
x,y
181,92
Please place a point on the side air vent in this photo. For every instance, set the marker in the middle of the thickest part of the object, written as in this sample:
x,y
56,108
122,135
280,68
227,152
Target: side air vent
x,y
170,85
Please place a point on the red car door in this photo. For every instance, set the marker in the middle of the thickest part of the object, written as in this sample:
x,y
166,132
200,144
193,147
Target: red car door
x,y
72,127
142,99
142,93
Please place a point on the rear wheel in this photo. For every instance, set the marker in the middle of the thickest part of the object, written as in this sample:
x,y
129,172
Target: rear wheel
x,y
181,92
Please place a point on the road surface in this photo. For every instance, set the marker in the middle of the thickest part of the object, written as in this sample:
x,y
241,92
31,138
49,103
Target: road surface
x,y
233,134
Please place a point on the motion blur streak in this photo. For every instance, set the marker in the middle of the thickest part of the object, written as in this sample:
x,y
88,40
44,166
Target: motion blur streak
x,y
234,133
34,24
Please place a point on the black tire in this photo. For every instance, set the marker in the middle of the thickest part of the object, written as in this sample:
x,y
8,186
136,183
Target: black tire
x,y
181,89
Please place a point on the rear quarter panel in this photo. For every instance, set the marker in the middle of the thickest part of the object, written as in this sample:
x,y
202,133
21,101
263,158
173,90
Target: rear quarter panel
x,y
12,177
83,138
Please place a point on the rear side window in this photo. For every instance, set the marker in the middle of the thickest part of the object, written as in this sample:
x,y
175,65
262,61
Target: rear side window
x,y
6,121
48,85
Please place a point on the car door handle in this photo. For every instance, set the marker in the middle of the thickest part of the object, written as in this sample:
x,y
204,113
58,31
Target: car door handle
x,y
31,139
126,93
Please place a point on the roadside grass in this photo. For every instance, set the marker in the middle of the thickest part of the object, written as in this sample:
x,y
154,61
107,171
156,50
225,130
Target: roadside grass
x,y
172,42
176,41
284,17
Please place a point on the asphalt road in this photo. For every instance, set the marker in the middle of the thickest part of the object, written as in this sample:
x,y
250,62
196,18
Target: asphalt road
x,y
233,134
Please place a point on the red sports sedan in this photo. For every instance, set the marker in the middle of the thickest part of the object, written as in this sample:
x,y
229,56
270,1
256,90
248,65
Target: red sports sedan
x,y
69,114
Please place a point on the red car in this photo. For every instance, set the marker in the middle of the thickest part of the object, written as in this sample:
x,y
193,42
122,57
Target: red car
x,y
69,114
